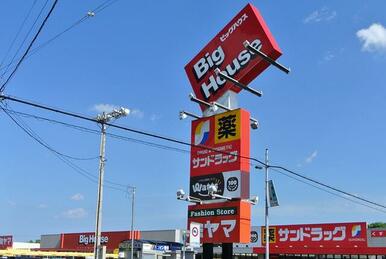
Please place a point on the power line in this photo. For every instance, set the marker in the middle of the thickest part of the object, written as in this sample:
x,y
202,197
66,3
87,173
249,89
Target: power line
x,y
180,150
29,46
85,17
22,125
97,132
25,38
326,186
324,190
170,139
17,33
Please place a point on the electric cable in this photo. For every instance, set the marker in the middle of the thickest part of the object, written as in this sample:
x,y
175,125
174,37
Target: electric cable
x,y
179,150
62,157
327,191
17,34
170,139
2,88
85,17
25,38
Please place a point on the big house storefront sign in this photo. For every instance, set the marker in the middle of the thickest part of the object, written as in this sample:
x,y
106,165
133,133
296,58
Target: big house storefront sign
x,y
227,52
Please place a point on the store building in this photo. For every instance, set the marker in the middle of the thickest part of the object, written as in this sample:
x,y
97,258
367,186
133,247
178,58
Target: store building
x,y
333,240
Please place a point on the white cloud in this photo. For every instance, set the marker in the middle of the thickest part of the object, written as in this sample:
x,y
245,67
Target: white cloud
x,y
328,56
77,197
137,113
103,107
77,213
154,117
322,15
373,38
42,206
311,157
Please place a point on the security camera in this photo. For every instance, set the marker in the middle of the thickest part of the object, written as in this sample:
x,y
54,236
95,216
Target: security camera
x,y
180,194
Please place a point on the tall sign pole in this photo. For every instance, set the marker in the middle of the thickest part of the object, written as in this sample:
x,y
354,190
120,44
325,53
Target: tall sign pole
x,y
266,206
239,53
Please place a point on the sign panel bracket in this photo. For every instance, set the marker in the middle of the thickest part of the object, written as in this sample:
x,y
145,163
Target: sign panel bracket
x,y
266,58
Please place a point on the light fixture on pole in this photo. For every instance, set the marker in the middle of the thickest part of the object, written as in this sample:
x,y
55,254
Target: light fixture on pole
x,y
102,119
184,114
225,77
181,195
253,200
212,189
214,106
265,57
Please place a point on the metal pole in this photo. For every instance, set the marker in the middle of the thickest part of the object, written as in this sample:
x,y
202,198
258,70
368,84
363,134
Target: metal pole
x,y
97,240
184,244
132,223
266,206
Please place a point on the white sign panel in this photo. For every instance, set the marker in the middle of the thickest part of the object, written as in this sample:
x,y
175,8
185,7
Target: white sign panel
x,y
195,234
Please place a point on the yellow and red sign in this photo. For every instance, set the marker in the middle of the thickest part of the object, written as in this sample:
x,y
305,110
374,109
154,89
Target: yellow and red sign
x,y
221,143
225,222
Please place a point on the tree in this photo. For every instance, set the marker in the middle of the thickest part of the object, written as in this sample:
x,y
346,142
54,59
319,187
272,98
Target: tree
x,y
377,225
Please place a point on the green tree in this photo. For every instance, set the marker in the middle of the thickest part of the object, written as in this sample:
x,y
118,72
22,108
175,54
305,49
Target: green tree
x,y
377,225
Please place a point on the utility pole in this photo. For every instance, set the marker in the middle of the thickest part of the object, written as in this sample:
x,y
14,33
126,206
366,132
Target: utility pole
x,y
97,240
132,222
103,119
266,206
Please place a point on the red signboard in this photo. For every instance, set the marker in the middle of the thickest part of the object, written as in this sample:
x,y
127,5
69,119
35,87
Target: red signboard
x,y
227,52
378,233
225,222
85,241
226,132
6,242
334,235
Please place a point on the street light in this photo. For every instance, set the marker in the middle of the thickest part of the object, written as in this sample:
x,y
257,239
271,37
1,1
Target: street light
x,y
102,119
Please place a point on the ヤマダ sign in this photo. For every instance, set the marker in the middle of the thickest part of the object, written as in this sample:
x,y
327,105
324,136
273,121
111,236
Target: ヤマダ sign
x,y
227,52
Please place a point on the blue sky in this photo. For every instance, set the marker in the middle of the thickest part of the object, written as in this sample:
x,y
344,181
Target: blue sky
x,y
324,120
